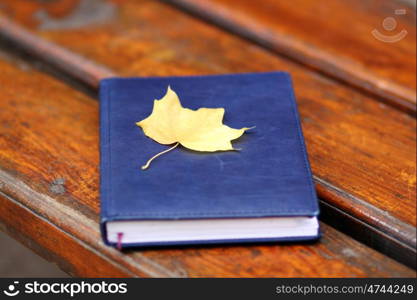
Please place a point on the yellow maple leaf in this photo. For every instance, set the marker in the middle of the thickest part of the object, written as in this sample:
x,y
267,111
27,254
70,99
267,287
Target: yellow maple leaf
x,y
199,130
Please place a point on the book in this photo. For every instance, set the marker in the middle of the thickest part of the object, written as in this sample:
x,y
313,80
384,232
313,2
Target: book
x,y
261,193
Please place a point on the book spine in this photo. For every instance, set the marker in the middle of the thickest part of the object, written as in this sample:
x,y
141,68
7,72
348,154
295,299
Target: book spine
x,y
104,133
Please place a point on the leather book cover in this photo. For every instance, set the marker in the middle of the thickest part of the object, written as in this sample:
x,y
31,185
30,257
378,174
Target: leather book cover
x,y
268,177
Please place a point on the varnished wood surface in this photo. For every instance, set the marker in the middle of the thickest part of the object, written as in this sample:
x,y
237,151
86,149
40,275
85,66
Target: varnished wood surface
x,y
362,152
336,255
334,37
338,122
49,199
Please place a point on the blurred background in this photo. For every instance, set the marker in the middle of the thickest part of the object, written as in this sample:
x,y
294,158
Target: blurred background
x,y
18,261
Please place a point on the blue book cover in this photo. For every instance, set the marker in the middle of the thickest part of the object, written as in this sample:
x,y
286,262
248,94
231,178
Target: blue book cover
x,y
263,192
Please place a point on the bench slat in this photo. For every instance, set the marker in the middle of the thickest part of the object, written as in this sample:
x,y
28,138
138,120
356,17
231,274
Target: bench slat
x,y
337,255
343,128
334,37
49,132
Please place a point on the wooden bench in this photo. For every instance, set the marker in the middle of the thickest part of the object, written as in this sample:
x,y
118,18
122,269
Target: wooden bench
x,y
359,127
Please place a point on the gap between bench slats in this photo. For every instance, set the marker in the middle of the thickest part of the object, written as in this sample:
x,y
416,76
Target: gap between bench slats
x,y
333,37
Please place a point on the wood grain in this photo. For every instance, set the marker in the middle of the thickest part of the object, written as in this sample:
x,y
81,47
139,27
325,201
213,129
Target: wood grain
x,y
74,65
52,243
362,152
336,255
334,37
49,199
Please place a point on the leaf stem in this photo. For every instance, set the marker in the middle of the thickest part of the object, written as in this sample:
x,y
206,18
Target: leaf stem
x,y
144,167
